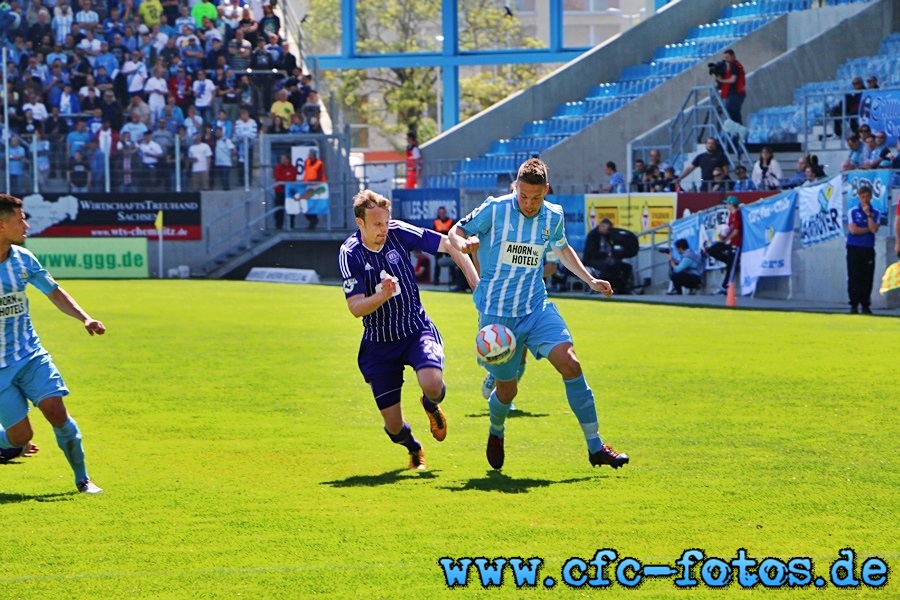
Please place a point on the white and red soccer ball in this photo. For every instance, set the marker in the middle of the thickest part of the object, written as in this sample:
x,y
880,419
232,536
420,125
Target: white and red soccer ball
x,y
495,344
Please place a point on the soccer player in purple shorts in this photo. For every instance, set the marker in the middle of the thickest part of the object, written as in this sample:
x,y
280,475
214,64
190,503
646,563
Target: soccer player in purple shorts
x,y
380,286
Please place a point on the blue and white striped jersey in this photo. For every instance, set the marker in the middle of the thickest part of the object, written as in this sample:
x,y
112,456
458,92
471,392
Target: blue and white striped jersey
x,y
18,339
361,270
511,254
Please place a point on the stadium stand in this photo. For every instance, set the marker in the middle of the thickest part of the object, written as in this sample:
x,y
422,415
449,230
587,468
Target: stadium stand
x,y
494,168
812,101
71,62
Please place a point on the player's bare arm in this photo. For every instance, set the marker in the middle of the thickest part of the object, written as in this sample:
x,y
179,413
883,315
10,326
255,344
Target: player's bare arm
x,y
361,305
463,261
65,303
466,245
570,260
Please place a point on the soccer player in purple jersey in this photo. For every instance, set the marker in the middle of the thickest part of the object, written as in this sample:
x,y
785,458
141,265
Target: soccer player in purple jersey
x,y
380,286
27,371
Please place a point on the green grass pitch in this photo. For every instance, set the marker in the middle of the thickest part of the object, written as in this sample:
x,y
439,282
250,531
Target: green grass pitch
x,y
242,454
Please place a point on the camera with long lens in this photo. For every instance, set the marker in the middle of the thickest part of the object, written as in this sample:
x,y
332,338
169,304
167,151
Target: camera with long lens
x,y
717,69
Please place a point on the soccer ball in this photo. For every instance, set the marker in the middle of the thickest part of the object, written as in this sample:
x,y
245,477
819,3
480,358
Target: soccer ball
x,y
495,344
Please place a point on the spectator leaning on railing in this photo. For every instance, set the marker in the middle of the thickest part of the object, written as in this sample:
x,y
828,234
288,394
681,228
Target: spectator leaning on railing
x,y
708,162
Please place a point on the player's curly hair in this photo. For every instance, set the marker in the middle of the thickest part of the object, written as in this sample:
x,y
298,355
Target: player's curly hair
x,y
533,171
8,205
368,199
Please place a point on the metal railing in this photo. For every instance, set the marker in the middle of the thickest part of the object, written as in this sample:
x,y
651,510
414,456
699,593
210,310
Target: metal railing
x,y
825,120
703,116
44,167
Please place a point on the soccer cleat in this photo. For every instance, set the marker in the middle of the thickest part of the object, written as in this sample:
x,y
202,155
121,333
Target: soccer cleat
x,y
607,456
417,460
86,486
487,386
495,453
437,420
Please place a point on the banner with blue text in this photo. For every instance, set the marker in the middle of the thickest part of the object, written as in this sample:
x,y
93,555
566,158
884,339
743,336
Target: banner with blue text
x,y
821,209
768,230
420,207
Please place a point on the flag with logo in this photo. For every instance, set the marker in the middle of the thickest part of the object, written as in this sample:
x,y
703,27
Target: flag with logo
x,y
821,212
306,198
768,236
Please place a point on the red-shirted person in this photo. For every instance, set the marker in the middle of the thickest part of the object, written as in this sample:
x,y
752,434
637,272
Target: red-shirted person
x,y
313,170
732,86
413,161
284,171
728,250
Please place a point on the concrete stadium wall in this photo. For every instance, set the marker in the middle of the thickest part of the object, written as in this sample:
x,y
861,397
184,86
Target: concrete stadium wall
x,y
216,230
819,274
318,255
572,81
580,159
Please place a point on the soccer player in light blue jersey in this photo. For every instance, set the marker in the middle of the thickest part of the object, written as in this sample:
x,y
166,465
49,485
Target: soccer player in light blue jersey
x,y
380,286
511,234
27,371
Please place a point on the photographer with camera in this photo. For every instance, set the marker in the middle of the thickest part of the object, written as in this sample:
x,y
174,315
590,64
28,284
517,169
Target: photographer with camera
x,y
731,80
686,270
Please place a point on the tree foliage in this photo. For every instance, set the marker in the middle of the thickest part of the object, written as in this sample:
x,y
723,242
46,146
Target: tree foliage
x,y
392,101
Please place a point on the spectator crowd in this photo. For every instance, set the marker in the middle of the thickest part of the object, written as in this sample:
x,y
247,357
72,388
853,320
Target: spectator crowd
x,y
111,85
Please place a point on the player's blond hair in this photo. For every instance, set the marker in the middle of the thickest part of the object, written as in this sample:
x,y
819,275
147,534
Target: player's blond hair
x,y
367,199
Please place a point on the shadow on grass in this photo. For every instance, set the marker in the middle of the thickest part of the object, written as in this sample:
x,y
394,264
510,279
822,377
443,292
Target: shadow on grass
x,y
388,478
513,414
58,497
495,481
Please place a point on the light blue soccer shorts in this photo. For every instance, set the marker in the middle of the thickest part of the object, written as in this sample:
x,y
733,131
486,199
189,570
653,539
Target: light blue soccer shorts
x,y
34,378
541,331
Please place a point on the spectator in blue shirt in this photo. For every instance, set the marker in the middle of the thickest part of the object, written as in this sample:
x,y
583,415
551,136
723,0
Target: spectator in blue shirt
x,y
113,24
616,181
875,156
862,225
742,183
106,59
686,268
76,139
16,165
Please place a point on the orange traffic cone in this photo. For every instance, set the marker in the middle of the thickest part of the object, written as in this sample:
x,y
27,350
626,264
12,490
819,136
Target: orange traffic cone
x,y
730,299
